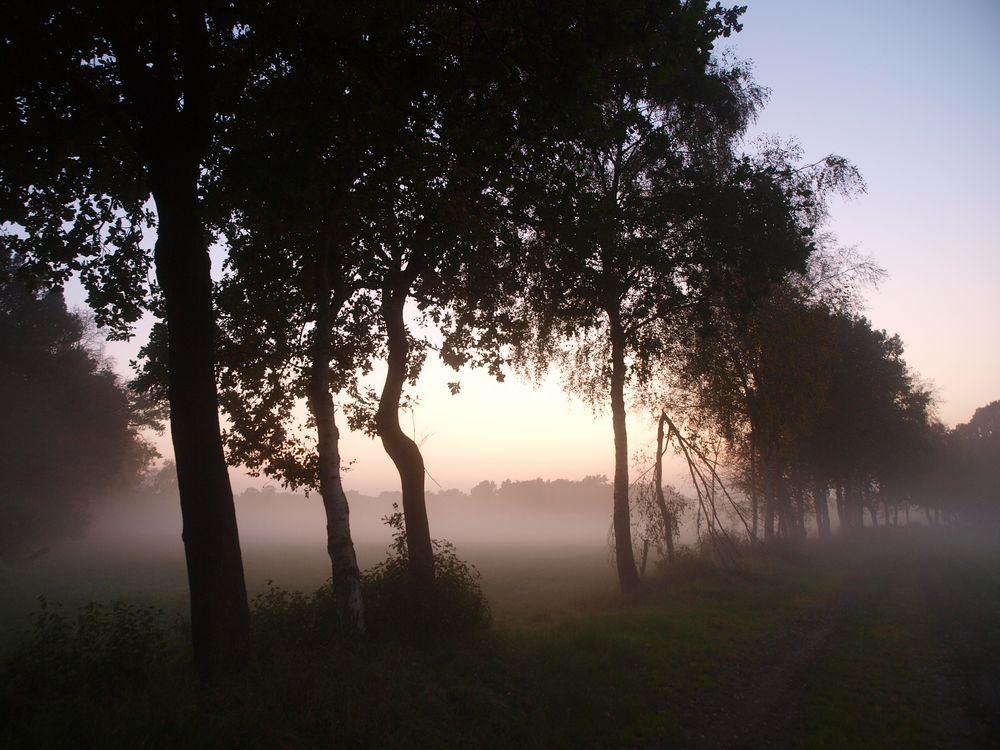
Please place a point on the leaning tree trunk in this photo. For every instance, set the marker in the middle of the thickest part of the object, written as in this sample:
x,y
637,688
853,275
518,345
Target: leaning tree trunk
x,y
401,449
628,574
172,138
220,617
668,520
339,545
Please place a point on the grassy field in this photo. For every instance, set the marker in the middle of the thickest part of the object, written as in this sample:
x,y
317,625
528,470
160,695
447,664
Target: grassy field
x,y
890,640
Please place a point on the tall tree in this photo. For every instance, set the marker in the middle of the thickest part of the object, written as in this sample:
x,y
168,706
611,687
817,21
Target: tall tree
x,y
368,176
750,360
110,105
297,320
615,227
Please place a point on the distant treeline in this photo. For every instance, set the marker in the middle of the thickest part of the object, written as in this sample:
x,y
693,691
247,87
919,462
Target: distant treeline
x,y
587,494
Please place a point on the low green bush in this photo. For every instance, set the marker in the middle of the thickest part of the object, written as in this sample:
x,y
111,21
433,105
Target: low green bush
x,y
396,607
103,650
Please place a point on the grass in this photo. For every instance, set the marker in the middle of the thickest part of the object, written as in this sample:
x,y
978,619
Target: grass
x,y
601,672
874,686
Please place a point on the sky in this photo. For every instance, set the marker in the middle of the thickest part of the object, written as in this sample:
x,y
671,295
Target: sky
x,y
909,92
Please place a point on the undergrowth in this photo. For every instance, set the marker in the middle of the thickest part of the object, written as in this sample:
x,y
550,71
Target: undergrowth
x,y
645,672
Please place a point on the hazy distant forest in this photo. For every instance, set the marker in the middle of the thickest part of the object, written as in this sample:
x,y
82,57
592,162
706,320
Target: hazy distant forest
x,y
521,187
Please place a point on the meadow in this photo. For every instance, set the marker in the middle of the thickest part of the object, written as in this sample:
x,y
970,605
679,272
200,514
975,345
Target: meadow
x,y
889,639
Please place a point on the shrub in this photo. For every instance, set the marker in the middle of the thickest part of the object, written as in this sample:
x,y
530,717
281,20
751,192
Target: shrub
x,y
103,650
395,605
281,617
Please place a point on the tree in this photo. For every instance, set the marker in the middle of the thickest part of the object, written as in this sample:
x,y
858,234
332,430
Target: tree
x,y
296,323
808,397
644,209
977,442
959,476
751,359
349,187
109,105
70,435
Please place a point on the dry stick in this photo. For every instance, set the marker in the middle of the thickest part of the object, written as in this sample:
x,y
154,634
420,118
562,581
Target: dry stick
x,y
668,516
701,485
696,478
717,480
698,491
691,467
715,523
716,477
715,526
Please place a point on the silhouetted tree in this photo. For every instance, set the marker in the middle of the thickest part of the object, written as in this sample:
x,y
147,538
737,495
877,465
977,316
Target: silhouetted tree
x,y
750,364
610,255
958,475
809,398
297,313
107,106
69,434
366,167
976,445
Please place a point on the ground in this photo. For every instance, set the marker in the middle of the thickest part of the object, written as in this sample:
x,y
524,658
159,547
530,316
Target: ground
x,y
885,640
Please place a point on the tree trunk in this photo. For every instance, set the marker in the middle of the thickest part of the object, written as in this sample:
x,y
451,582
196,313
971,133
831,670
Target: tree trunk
x,y
173,143
668,520
628,574
754,495
798,506
852,503
770,488
769,501
869,503
339,545
821,501
401,449
220,616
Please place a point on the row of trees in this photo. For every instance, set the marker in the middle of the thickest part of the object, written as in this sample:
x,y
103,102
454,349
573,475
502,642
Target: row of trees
x,y
497,181
961,476
807,398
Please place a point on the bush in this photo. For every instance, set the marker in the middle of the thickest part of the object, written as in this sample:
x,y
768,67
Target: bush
x,y
103,650
280,617
395,606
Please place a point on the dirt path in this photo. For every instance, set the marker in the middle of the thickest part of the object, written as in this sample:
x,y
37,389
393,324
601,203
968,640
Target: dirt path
x,y
763,709
969,681
944,666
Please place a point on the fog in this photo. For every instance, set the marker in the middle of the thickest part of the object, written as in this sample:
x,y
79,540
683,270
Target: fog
x,y
515,533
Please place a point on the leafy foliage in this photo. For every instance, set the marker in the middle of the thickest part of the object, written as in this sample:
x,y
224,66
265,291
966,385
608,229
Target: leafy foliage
x,y
70,430
395,604
102,651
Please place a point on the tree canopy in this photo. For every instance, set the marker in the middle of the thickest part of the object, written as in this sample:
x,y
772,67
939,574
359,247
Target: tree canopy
x,y
70,435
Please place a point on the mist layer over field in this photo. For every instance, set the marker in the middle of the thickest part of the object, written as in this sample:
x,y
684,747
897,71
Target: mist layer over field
x,y
515,534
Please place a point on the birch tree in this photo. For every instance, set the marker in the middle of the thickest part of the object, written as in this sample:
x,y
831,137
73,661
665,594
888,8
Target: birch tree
x,y
613,229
